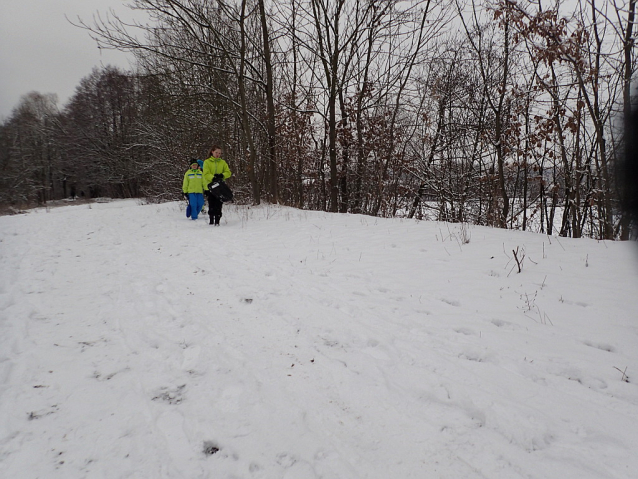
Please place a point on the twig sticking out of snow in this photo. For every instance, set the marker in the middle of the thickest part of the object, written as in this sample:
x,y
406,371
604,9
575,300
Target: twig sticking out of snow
x,y
624,378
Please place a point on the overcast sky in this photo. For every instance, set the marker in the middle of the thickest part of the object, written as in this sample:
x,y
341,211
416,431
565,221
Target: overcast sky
x,y
41,51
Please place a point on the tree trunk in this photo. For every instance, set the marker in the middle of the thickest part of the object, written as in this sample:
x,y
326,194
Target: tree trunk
x,y
270,109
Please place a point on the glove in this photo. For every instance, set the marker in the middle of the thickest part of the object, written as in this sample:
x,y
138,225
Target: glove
x,y
185,195
218,177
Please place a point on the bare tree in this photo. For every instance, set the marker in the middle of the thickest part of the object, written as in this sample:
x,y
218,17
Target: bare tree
x,y
30,151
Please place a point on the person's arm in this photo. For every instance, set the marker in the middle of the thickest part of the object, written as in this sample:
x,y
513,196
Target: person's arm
x,y
203,184
185,183
208,174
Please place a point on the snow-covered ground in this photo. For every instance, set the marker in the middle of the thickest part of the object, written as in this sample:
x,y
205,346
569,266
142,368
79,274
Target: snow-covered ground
x,y
135,343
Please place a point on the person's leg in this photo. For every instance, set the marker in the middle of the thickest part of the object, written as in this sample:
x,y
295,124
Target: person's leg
x,y
197,205
211,208
192,202
216,207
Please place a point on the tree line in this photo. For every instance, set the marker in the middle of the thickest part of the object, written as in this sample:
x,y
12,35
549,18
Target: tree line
x,y
493,112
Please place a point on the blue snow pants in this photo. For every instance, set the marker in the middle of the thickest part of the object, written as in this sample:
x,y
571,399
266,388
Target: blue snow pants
x,y
196,200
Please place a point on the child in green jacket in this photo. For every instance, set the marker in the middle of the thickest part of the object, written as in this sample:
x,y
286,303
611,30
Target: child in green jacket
x,y
215,168
193,188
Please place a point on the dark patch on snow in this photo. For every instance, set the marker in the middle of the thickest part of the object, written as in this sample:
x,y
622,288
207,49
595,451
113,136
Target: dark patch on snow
x,y
38,414
602,346
210,448
171,396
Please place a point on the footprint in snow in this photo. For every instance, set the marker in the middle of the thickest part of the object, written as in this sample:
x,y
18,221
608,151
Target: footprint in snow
x,y
451,302
465,331
172,396
210,448
286,460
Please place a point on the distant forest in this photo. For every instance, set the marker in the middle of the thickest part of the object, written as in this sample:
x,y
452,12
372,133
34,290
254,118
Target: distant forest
x,y
492,112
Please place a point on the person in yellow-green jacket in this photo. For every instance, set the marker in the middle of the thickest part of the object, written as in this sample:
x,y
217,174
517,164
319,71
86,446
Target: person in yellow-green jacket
x,y
215,169
193,188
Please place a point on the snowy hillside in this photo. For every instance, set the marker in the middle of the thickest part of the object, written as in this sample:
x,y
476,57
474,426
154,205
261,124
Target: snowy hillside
x,y
135,343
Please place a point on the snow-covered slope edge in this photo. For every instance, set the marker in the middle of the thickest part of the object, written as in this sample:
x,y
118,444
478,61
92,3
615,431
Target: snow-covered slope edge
x,y
294,344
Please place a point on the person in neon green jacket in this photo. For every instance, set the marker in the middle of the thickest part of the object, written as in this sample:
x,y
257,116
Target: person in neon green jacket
x,y
193,188
215,168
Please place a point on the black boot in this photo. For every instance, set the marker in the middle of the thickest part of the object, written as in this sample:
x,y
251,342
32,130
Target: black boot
x,y
217,218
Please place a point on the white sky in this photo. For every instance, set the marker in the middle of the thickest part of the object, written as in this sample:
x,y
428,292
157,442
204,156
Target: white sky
x,y
40,50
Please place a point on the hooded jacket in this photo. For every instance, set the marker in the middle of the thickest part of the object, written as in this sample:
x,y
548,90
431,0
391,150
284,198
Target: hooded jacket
x,y
215,166
194,181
